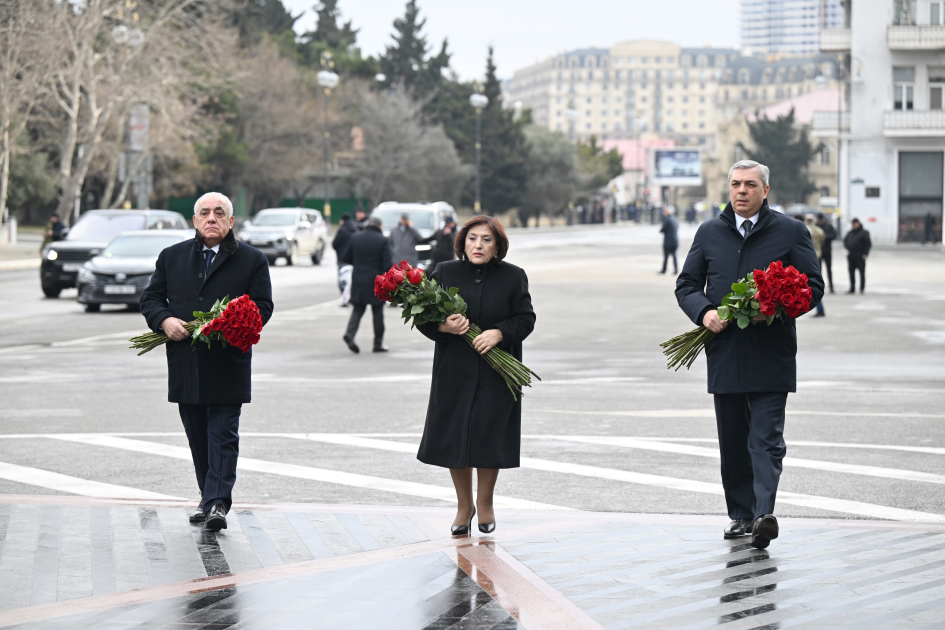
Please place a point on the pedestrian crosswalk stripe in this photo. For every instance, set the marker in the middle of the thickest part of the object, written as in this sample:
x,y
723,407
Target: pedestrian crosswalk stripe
x,y
710,413
427,491
73,485
698,451
793,498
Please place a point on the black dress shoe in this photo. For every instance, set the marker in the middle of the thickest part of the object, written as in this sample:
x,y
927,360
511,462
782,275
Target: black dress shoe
x,y
487,528
737,528
463,530
352,346
764,531
381,348
198,515
216,519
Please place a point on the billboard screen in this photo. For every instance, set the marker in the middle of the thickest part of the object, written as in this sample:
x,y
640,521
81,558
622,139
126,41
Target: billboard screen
x,y
676,167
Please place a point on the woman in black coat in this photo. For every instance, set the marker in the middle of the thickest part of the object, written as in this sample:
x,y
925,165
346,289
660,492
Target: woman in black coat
x,y
472,420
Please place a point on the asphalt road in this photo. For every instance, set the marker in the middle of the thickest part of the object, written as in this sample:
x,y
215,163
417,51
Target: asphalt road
x,y
609,428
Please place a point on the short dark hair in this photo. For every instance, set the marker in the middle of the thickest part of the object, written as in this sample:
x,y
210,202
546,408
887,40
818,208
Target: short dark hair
x,y
345,218
501,240
855,220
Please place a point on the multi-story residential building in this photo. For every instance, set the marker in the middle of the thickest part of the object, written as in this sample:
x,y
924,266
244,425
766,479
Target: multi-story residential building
x,y
892,139
657,87
788,27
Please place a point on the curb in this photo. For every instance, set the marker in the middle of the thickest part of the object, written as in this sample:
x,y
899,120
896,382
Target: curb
x,y
19,264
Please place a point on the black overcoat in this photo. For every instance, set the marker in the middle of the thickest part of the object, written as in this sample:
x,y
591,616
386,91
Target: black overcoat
x,y
342,237
369,252
760,358
472,419
670,231
180,285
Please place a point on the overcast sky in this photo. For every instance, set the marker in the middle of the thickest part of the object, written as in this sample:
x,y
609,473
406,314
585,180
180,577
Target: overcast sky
x,y
525,31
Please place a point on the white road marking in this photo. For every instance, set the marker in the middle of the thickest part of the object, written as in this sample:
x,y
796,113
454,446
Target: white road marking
x,y
20,348
73,485
84,340
710,413
931,450
698,451
301,472
793,498
40,413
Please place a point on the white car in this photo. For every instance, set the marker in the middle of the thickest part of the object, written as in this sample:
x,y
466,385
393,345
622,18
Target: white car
x,y
427,218
290,233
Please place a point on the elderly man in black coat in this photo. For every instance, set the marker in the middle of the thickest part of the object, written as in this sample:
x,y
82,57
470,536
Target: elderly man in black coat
x,y
209,384
369,253
670,232
751,370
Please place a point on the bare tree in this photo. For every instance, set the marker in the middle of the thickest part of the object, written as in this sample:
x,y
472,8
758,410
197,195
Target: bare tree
x,y
403,159
113,54
24,62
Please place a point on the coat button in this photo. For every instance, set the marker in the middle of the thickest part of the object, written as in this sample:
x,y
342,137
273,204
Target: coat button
x,y
478,280
193,349
478,270
200,275
200,299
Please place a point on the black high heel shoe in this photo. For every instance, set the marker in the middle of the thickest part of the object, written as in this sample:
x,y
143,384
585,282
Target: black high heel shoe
x,y
463,530
487,528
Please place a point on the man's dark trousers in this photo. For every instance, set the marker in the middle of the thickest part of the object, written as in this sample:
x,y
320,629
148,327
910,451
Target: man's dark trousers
x,y
751,442
666,254
826,259
357,312
857,262
213,434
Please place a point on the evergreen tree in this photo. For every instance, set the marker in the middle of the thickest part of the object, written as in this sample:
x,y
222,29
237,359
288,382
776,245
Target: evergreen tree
x,y
256,18
596,166
339,39
406,64
787,151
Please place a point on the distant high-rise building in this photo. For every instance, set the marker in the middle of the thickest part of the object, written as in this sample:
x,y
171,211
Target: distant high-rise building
x,y
788,26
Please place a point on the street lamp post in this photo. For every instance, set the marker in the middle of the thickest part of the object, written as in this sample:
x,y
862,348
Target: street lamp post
x,y
572,115
479,101
327,79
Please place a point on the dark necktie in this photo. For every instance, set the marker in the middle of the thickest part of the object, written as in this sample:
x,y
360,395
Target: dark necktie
x,y
746,224
210,254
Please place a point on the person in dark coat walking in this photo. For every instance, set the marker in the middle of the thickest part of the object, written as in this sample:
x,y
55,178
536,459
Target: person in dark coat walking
x,y
209,384
346,229
472,420
826,252
670,232
858,244
443,249
369,253
751,370
404,239
928,234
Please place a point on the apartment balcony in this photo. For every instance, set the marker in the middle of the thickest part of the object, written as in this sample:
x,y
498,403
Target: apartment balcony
x,y
915,37
824,124
835,40
911,123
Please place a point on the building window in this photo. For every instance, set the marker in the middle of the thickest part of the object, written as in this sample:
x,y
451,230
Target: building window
x,y
657,60
936,88
669,112
937,12
603,112
685,112
685,61
644,59
616,112
825,157
903,12
604,126
590,100
642,99
588,113
558,126
903,87
616,126
669,126
685,125
824,191
744,76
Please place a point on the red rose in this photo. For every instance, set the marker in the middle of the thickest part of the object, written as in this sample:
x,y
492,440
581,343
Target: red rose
x,y
415,276
403,265
396,276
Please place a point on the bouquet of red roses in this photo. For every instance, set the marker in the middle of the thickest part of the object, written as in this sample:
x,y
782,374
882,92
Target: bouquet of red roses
x,y
774,292
425,301
231,322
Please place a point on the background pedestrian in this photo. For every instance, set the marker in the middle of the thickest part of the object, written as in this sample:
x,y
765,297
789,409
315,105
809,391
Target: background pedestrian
x,y
472,420
928,235
444,248
858,244
670,231
819,238
346,229
368,253
54,231
826,251
403,242
750,370
209,384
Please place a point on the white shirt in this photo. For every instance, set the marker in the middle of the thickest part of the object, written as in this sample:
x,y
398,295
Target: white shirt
x,y
739,220
215,248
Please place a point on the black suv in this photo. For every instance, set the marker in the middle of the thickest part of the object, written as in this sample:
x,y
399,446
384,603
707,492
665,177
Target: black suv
x,y
89,236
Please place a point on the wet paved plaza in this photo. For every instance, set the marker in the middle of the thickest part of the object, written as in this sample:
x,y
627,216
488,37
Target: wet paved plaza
x,y
74,562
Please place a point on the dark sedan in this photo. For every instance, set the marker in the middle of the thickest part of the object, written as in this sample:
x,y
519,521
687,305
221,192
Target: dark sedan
x,y
123,270
89,236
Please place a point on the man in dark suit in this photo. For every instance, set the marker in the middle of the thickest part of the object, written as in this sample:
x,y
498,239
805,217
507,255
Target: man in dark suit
x,y
670,232
369,253
751,370
209,384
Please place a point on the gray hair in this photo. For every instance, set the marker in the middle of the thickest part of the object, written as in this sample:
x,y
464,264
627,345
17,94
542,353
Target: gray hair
x,y
375,222
746,164
227,204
